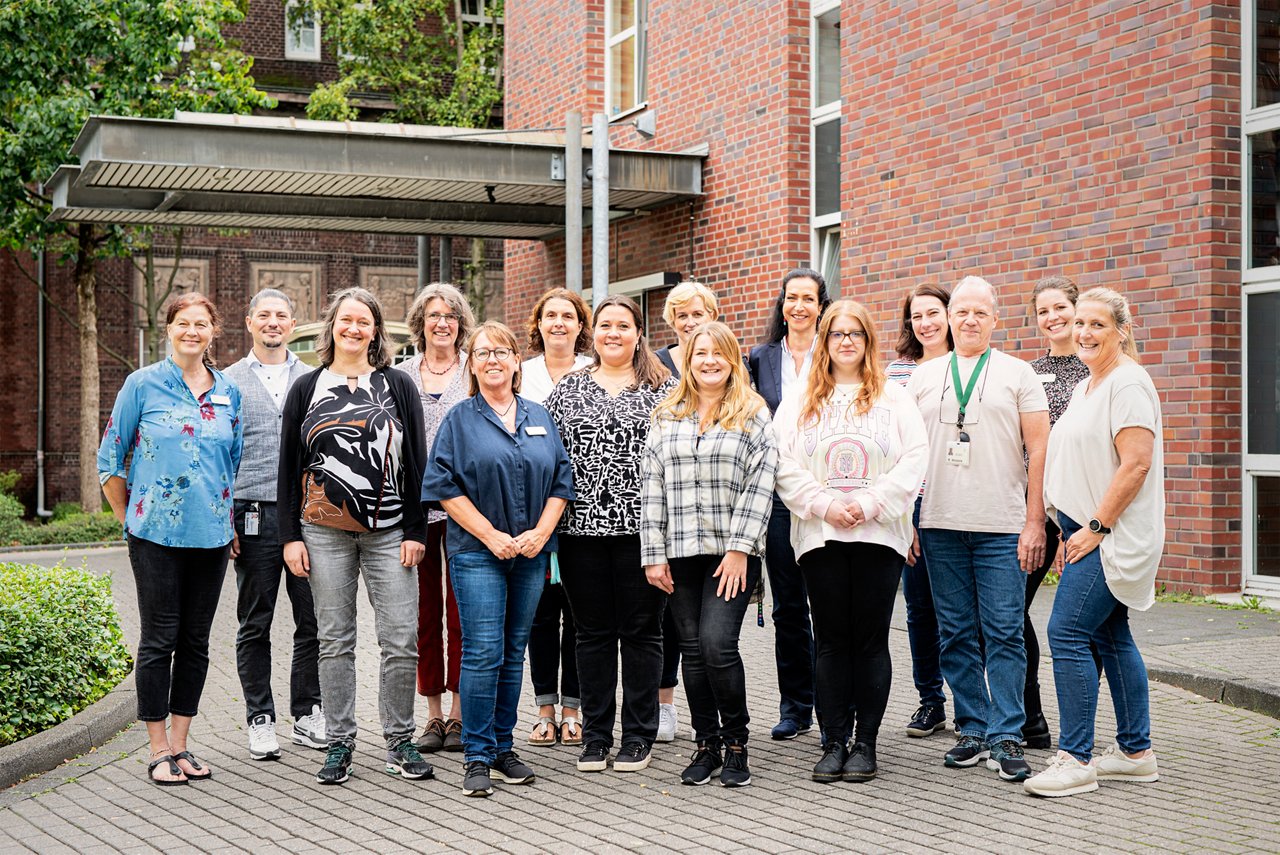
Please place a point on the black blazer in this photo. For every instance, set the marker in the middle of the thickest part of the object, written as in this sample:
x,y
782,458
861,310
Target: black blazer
x,y
765,366
664,356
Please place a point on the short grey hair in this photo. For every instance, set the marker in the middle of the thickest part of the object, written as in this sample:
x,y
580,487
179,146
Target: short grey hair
x,y
270,294
457,304
979,282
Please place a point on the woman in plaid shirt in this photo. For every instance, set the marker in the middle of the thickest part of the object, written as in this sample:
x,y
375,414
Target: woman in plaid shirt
x,y
707,492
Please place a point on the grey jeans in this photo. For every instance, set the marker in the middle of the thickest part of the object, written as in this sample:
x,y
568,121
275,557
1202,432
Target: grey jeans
x,y
337,560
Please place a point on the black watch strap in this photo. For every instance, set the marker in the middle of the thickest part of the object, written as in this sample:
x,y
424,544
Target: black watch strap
x,y
1097,527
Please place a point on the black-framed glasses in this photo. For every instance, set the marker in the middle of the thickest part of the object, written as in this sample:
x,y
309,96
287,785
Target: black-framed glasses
x,y
837,336
436,317
499,353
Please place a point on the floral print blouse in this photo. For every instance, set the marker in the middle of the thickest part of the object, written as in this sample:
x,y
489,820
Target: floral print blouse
x,y
185,454
434,408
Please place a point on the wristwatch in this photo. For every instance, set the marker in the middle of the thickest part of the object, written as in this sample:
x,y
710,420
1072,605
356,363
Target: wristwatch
x,y
1097,527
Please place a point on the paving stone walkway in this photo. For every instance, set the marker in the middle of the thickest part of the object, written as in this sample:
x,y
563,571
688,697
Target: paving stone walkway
x,y
1219,790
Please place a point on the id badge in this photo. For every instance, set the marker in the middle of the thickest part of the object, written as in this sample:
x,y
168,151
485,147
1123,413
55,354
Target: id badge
x,y
958,453
252,518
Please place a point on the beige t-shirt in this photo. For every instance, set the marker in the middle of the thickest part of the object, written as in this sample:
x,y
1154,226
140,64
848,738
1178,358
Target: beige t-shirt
x,y
1081,463
990,494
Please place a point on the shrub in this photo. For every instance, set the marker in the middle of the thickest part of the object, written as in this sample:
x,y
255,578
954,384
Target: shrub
x,y
76,528
61,647
62,510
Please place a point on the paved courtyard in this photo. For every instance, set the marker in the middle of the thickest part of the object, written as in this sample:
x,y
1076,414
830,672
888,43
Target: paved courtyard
x,y
1219,790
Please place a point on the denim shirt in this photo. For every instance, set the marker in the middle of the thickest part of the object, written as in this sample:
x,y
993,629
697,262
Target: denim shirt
x,y
508,477
185,455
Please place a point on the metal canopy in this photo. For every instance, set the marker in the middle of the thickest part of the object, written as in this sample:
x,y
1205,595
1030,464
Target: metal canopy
x,y
264,172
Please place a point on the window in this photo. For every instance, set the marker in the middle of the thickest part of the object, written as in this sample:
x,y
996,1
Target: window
x,y
824,161
478,12
301,33
625,23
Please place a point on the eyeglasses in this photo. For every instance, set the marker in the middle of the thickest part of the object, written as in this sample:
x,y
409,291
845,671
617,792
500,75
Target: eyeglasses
x,y
836,336
498,353
435,318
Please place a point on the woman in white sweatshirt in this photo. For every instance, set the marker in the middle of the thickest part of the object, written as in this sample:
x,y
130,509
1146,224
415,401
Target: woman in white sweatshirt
x,y
852,451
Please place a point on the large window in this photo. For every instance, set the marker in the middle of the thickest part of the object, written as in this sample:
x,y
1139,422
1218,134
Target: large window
x,y
824,113
625,23
1260,111
301,33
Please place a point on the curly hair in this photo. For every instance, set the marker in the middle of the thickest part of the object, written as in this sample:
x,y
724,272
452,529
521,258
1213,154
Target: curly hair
x,y
457,304
533,328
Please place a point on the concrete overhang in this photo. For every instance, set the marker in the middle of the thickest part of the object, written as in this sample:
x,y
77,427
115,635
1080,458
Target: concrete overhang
x,y
265,172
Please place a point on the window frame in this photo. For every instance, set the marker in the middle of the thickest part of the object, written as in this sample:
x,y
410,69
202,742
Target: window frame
x,y
291,50
639,32
821,226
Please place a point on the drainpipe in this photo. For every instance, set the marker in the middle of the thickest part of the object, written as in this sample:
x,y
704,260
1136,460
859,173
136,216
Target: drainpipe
x,y
41,511
599,209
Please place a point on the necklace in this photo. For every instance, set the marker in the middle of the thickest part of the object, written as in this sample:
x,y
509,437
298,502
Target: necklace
x,y
447,368
503,414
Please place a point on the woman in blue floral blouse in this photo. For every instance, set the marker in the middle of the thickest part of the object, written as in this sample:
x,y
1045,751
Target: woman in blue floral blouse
x,y
180,420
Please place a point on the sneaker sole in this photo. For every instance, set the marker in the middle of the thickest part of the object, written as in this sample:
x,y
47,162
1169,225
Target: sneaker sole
x,y
480,793
346,776
593,765
920,733
1057,794
725,783
785,737
264,755
665,737
707,780
1132,779
965,764
394,769
994,766
631,765
309,741
495,775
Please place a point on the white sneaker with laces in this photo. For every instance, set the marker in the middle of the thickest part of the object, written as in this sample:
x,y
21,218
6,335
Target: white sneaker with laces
x,y
263,744
1064,776
1113,765
308,730
667,723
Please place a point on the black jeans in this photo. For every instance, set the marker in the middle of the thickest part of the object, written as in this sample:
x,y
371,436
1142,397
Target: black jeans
x,y
853,587
793,634
553,651
178,591
614,608
670,653
714,680
259,568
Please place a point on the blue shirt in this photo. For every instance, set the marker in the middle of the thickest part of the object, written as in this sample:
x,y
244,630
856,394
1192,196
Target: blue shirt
x,y
508,477
185,455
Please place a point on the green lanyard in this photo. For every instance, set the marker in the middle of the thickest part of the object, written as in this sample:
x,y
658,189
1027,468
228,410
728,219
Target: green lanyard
x,y
962,397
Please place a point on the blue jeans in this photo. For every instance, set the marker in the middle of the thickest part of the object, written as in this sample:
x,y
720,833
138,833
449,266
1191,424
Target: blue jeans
x,y
1084,611
979,591
497,599
922,628
793,633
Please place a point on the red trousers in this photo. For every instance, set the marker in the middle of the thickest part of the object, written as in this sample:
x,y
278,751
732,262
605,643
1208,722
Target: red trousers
x,y
438,662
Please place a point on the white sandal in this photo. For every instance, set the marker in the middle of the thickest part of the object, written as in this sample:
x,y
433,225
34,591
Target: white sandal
x,y
544,732
575,730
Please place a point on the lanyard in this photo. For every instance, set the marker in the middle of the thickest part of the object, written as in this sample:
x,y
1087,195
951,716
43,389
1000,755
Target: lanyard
x,y
962,397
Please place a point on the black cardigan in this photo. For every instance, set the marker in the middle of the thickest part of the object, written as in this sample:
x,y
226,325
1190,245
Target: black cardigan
x,y
765,366
293,453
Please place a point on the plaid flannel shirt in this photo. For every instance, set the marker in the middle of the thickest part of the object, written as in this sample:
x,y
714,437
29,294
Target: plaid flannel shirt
x,y
709,494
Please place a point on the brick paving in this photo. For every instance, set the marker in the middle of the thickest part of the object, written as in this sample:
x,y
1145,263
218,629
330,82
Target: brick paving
x,y
1220,786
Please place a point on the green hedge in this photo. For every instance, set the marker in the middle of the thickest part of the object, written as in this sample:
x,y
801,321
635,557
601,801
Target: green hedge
x,y
68,525
61,647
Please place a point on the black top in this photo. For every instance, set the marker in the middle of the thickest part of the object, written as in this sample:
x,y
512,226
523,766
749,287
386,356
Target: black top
x,y
665,357
765,366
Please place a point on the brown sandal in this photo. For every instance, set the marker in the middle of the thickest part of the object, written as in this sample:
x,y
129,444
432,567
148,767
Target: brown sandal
x,y
544,732
570,730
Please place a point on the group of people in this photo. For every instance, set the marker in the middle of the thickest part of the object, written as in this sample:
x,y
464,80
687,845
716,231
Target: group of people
x,y
612,511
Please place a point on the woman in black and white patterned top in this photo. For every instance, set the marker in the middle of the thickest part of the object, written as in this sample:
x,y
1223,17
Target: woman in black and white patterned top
x,y
603,414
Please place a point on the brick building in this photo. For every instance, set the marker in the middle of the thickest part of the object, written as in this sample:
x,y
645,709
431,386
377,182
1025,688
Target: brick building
x,y
890,143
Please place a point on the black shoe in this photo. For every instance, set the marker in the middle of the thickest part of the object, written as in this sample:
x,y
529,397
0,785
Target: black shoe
x,y
705,764
405,761
860,765
1036,733
337,765
927,721
1006,758
632,757
510,769
735,772
594,757
968,751
789,728
829,768
476,780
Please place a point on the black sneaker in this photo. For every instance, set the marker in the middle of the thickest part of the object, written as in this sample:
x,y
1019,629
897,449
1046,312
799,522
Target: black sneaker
x,y
829,768
633,756
735,772
860,765
927,721
476,780
968,751
510,769
1007,759
594,757
405,761
1036,733
704,765
337,765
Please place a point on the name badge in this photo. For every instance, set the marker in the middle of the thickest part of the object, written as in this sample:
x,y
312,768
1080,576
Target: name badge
x,y
535,430
225,400
958,453
1047,378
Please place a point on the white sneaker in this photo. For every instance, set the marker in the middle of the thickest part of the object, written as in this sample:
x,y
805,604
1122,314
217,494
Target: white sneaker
x,y
1064,776
308,730
1113,765
262,738
667,723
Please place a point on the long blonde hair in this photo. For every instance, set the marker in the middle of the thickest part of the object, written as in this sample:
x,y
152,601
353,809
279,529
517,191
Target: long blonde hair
x,y
822,382
740,404
1121,316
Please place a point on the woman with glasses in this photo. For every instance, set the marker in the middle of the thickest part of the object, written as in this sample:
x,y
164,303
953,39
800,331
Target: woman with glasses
x,y
852,452
439,322
499,471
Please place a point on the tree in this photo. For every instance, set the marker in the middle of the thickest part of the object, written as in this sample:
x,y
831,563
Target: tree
x,y
64,60
438,67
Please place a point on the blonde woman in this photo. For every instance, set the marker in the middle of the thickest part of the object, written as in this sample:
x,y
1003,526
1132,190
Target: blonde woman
x,y
852,451
706,497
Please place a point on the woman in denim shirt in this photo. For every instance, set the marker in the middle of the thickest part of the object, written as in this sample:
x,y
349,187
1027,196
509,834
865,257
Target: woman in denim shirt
x,y
180,419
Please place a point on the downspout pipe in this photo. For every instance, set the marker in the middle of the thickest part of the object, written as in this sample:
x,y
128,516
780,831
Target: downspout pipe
x,y
42,511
